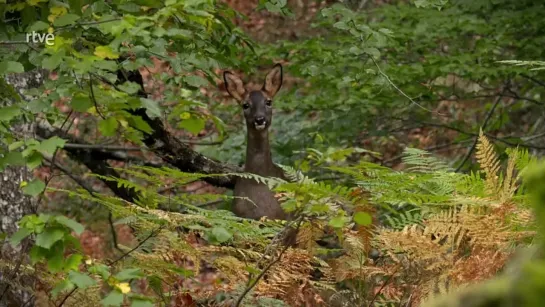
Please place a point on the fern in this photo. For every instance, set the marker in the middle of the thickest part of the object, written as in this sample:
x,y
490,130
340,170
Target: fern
x,y
536,65
490,164
422,161
404,219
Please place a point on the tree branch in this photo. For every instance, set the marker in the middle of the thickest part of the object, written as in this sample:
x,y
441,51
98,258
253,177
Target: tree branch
x,y
483,126
169,148
94,160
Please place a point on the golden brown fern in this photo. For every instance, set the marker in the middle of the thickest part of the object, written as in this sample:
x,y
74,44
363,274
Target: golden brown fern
x,y
489,162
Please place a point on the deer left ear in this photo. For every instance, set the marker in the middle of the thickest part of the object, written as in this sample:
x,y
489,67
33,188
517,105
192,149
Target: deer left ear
x,y
273,81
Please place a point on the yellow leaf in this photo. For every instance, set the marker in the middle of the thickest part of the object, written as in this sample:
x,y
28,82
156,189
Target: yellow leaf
x,y
35,2
16,7
92,110
124,287
56,12
23,184
89,261
185,115
104,52
58,43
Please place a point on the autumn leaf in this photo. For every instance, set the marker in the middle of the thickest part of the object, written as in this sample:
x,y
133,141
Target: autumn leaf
x,y
105,52
124,287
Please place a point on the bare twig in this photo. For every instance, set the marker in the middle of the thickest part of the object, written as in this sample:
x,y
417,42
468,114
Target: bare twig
x,y
76,179
267,268
113,231
67,296
384,284
13,42
536,81
89,23
93,97
402,92
40,197
152,234
80,182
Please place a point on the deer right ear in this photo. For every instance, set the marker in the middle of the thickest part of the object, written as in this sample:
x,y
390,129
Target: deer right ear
x,y
234,85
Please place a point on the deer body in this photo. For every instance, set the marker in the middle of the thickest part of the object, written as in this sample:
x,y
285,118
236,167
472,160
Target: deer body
x,y
257,108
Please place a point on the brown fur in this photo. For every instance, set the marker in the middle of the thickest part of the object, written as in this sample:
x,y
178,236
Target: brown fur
x,y
257,109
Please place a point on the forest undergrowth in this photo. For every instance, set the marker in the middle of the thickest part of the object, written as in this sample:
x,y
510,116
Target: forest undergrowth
x,y
399,237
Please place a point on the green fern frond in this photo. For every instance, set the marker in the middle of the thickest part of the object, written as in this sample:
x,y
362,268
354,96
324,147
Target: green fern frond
x,y
419,160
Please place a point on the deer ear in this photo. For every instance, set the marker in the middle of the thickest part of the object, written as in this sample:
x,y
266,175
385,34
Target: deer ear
x,y
273,81
234,85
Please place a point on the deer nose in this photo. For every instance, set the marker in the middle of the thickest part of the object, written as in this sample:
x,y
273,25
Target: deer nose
x,y
260,120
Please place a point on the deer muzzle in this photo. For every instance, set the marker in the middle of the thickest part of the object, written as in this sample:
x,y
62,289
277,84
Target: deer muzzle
x,y
260,123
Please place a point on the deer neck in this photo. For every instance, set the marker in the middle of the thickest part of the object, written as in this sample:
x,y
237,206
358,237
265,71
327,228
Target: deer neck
x,y
258,153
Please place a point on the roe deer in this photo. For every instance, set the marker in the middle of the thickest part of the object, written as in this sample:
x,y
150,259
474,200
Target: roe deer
x,y
257,109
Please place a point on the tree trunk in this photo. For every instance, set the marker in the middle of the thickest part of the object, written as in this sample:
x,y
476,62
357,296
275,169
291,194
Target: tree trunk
x,y
16,286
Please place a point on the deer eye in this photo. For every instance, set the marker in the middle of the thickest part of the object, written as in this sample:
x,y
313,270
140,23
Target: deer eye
x,y
245,105
268,102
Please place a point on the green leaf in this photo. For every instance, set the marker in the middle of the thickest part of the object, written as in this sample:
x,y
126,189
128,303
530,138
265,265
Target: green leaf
x,y
17,237
108,126
34,188
195,81
130,7
53,61
37,253
221,234
139,124
101,270
13,158
55,262
355,50
72,262
152,107
141,303
363,218
38,26
34,160
273,8
49,146
106,65
341,25
70,223
8,113
372,52
15,145
115,298
192,124
7,67
47,238
337,222
128,274
105,52
81,102
65,20
65,285
81,280
129,87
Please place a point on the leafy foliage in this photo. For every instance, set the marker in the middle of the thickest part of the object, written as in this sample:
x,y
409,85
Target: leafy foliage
x,y
376,235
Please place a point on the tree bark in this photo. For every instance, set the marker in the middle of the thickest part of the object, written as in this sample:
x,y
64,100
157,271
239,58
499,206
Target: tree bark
x,y
16,286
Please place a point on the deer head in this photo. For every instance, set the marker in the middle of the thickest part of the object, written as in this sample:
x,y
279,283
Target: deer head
x,y
256,105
